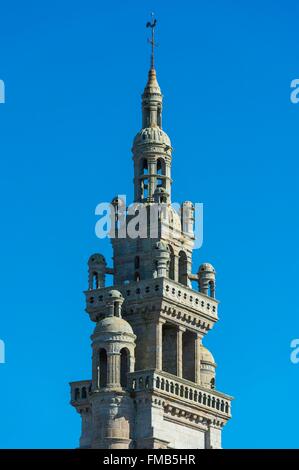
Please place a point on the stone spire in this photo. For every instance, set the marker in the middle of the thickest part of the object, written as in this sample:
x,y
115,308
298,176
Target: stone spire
x,y
152,146
152,102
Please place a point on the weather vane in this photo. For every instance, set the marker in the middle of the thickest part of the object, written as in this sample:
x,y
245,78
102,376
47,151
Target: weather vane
x,y
152,24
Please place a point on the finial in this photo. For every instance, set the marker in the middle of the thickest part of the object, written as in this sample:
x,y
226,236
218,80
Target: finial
x,y
152,24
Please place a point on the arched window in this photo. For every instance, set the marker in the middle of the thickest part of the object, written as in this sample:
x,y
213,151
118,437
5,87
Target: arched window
x,y
183,268
103,368
84,393
212,383
171,263
124,367
137,277
77,393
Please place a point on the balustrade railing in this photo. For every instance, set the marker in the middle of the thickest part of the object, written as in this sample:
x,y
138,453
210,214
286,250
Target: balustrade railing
x,y
179,388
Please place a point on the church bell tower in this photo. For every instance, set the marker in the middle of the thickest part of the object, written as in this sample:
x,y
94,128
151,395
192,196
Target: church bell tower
x,y
153,381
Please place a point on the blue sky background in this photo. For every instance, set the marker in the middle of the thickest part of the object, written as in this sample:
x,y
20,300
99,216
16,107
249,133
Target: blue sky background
x,y
74,72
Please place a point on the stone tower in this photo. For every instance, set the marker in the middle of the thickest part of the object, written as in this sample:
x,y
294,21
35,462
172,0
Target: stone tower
x,y
153,382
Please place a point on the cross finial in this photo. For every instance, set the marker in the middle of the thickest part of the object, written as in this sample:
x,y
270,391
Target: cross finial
x,y
152,24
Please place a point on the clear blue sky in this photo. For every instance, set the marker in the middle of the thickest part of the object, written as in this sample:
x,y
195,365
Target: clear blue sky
x,y
74,72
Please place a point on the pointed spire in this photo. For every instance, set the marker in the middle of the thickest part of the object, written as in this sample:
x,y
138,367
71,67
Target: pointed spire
x,y
152,85
152,24
152,96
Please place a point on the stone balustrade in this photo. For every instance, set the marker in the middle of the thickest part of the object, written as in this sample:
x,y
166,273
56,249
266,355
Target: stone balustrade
x,y
181,389
149,288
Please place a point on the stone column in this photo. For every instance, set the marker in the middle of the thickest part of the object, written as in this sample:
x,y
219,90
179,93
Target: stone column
x,y
176,267
86,428
113,369
197,358
179,350
95,372
167,173
136,182
151,178
159,351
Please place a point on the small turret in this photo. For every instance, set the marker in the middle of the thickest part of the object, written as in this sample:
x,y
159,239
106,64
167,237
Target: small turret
x,y
207,368
113,338
207,279
162,259
96,271
113,344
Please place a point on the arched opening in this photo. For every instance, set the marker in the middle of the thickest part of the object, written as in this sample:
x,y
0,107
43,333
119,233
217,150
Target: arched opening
x,y
124,366
159,116
77,394
137,262
143,167
137,276
84,393
144,188
160,183
183,268
95,281
188,359
171,263
169,348
160,167
161,171
103,368
212,383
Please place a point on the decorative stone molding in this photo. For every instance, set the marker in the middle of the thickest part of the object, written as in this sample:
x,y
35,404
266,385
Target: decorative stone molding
x,y
182,390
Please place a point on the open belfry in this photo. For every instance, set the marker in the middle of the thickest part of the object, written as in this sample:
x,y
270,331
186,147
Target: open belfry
x,y
153,382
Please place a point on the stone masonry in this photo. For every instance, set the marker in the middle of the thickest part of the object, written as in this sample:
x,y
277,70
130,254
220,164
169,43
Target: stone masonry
x,y
153,382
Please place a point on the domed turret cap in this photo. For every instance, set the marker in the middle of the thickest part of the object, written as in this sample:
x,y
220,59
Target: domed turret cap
x,y
206,356
96,258
113,325
206,267
114,294
152,135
